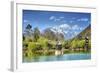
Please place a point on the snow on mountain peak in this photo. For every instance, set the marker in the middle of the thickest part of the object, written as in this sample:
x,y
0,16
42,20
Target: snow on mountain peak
x,y
67,30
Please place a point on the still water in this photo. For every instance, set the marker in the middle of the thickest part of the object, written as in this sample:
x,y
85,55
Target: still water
x,y
64,57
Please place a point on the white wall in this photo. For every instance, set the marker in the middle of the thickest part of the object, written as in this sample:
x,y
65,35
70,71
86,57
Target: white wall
x,y
5,35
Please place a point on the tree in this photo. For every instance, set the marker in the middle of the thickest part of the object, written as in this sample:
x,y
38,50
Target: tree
x,y
23,37
28,30
36,34
43,42
81,43
67,44
74,44
28,33
28,27
31,46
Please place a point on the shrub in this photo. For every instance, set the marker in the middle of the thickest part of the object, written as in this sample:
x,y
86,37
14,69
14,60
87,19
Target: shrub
x,y
74,44
66,44
78,43
43,42
31,46
25,45
81,43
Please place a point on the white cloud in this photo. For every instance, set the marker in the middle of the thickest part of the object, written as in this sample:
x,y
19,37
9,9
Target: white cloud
x,y
75,27
76,32
56,30
82,19
65,26
66,32
52,17
80,28
56,18
25,21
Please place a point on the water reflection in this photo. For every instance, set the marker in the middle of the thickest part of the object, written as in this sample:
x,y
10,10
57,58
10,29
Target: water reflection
x,y
64,57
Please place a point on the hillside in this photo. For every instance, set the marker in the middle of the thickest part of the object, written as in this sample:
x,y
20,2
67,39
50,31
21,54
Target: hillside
x,y
85,33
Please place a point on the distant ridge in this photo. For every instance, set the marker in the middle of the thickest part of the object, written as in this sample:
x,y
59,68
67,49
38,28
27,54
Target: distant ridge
x,y
85,33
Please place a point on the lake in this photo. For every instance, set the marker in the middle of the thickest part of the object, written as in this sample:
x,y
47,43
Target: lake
x,y
64,57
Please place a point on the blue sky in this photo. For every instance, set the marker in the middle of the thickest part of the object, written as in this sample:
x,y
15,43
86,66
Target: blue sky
x,y
72,23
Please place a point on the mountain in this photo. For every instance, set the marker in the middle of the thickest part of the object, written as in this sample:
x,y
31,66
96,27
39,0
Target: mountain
x,y
54,34
85,33
51,35
69,31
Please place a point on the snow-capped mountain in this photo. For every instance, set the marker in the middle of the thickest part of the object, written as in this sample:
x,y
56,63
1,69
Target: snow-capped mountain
x,y
66,30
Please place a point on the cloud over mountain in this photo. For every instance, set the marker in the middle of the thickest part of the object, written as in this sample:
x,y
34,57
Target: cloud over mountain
x,y
67,30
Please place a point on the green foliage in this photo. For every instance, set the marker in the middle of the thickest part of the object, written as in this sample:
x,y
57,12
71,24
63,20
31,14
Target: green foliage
x,y
31,45
81,43
25,45
66,44
43,41
74,44
78,43
89,45
36,34
36,43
